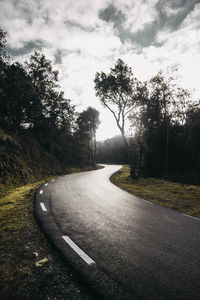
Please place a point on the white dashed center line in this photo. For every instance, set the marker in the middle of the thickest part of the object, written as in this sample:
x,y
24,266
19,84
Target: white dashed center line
x,y
80,252
43,206
41,192
52,179
46,184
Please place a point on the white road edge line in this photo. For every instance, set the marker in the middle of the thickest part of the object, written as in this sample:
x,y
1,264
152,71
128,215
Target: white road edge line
x,y
46,184
148,202
43,206
80,252
191,217
41,192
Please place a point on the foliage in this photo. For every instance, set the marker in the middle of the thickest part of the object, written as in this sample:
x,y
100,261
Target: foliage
x,y
49,107
165,122
3,54
118,91
161,135
87,124
39,133
16,96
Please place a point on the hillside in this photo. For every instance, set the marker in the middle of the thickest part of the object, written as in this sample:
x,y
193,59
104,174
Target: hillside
x,y
23,160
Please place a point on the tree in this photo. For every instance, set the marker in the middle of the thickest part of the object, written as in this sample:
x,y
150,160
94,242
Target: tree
x,y
119,93
88,122
160,130
16,96
3,54
45,83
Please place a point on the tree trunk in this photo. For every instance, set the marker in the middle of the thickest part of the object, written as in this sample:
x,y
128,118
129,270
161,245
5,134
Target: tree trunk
x,y
95,148
167,150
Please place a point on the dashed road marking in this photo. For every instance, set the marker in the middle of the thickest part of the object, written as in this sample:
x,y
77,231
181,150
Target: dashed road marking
x,y
52,179
191,217
43,206
78,250
41,192
46,184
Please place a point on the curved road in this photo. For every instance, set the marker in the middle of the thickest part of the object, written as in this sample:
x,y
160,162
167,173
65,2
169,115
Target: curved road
x,y
126,247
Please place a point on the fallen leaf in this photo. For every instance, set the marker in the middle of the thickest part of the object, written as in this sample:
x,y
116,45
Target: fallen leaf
x,y
41,262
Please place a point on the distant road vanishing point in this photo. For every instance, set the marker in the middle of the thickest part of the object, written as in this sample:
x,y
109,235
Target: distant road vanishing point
x,y
125,247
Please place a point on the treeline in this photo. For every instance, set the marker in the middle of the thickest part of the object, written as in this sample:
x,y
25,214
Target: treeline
x,y
165,120
32,105
112,151
167,139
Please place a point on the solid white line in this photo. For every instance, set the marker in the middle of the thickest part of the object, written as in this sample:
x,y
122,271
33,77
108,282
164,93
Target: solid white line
x,y
41,192
191,217
43,206
148,202
46,184
80,252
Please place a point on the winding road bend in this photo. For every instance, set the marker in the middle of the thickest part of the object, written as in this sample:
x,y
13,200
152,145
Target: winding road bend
x,y
125,247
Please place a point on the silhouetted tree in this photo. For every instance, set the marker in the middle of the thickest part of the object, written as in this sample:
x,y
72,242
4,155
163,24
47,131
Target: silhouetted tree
x,y
88,122
3,41
45,83
16,97
118,91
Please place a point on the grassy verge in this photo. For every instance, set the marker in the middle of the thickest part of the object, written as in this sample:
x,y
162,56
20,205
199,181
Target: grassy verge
x,y
23,245
181,197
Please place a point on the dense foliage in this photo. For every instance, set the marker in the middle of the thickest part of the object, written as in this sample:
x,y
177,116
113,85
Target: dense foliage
x,y
165,121
34,109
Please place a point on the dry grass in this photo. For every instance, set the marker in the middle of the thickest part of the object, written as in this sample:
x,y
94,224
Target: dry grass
x,y
181,197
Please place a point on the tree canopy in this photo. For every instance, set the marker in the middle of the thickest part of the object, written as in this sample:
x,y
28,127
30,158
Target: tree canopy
x,y
32,104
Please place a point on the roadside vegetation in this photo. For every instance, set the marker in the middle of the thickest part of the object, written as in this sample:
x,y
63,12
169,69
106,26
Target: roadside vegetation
x,y
164,140
30,268
41,133
181,197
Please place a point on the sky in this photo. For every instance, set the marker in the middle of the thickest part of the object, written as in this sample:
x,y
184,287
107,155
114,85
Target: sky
x,y
82,37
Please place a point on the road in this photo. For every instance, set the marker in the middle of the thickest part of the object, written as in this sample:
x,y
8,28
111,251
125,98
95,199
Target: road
x,y
125,247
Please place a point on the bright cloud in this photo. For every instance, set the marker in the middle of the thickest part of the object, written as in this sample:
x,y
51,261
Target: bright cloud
x,y
85,36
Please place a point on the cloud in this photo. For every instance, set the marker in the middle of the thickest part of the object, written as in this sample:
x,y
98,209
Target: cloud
x,y
27,47
114,15
85,36
148,18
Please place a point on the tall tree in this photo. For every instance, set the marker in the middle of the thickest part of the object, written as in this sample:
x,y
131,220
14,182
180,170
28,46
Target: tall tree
x,y
118,92
16,97
88,122
3,54
45,83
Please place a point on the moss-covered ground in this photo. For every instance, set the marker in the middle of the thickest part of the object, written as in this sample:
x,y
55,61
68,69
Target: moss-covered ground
x,y
22,245
181,197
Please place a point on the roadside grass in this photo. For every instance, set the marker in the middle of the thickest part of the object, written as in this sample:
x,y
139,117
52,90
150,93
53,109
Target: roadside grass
x,y
181,197
22,245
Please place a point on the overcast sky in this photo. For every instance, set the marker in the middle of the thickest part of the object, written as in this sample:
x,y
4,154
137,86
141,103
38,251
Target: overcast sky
x,y
82,37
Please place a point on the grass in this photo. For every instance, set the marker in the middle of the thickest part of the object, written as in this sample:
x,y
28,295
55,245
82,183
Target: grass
x,y
23,245
181,197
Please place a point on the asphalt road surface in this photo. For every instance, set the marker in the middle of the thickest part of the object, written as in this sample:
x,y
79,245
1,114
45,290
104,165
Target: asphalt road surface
x,y
124,246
